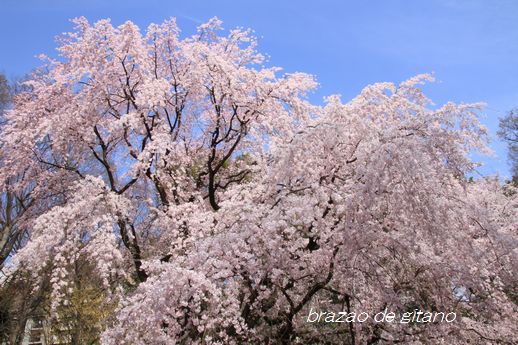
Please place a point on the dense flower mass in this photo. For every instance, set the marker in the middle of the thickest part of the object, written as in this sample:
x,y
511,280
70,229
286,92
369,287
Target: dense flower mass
x,y
219,206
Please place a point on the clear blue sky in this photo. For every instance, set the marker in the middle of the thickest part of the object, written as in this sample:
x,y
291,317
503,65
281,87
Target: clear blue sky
x,y
471,46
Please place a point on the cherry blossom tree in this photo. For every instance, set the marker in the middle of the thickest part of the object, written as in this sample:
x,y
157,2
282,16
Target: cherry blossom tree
x,y
219,206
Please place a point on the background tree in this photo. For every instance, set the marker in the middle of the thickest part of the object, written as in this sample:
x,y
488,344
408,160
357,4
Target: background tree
x,y
509,132
5,93
22,297
83,318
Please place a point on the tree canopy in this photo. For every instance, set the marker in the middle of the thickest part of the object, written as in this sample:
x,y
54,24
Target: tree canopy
x,y
218,205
